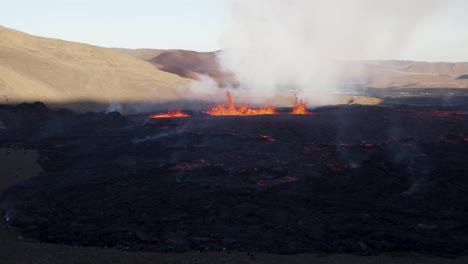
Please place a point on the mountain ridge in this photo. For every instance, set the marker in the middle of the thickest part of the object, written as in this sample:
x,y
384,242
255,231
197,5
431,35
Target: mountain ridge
x,y
35,68
368,73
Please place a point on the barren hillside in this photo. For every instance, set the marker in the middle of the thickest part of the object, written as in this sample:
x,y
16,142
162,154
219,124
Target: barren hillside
x,y
410,74
374,74
185,63
192,64
142,54
61,72
35,68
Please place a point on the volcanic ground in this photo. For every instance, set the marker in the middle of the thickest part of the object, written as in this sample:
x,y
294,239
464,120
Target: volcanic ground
x,y
357,179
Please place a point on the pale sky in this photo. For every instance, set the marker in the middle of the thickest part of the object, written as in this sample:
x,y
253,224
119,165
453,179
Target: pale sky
x,y
162,24
195,25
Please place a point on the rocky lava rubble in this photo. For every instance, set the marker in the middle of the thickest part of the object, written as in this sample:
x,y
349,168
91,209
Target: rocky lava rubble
x,y
347,179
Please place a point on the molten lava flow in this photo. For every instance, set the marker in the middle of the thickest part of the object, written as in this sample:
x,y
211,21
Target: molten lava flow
x,y
242,110
170,114
300,108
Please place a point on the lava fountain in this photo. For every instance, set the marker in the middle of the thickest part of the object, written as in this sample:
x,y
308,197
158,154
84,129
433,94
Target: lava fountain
x,y
170,114
300,108
243,110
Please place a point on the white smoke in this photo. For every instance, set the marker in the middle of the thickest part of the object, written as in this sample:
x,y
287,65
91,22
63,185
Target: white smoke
x,y
114,107
275,45
204,88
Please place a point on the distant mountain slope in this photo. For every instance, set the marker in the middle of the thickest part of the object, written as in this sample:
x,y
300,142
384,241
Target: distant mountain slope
x,y
411,74
36,68
142,54
56,71
446,68
185,63
191,64
376,74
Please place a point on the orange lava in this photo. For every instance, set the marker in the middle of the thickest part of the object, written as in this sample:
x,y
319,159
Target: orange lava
x,y
170,114
243,110
300,108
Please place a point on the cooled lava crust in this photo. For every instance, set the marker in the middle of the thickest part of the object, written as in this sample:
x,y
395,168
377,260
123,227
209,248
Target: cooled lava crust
x,y
347,179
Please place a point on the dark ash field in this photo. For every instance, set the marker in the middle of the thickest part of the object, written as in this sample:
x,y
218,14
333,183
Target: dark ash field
x,y
349,179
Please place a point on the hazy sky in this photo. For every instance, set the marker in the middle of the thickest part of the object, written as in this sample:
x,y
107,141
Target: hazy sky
x,y
197,24
184,24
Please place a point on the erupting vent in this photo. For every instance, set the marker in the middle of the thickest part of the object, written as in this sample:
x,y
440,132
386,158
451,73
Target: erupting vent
x,y
300,108
170,114
230,109
242,110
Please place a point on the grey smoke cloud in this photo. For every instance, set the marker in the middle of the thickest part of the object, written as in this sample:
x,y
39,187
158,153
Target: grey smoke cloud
x,y
274,45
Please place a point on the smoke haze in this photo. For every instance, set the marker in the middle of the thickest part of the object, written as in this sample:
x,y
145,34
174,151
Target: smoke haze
x,y
296,45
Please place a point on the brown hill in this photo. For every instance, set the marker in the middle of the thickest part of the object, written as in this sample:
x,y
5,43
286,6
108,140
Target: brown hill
x,y
375,74
142,54
185,63
190,64
55,71
410,74
444,68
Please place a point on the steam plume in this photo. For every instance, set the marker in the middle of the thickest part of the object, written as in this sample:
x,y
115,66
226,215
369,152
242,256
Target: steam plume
x,y
274,45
